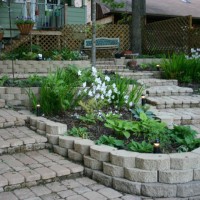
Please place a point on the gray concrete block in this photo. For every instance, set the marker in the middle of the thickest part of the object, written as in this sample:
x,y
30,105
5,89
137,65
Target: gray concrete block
x,y
83,146
73,155
126,186
123,158
181,161
152,161
175,176
101,152
102,178
158,190
139,175
93,163
113,170
188,189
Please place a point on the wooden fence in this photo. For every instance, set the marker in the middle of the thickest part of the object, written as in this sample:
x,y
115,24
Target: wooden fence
x,y
163,37
167,36
73,36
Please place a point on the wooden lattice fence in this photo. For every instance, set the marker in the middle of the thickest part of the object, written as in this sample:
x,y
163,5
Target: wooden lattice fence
x,y
167,36
195,38
73,36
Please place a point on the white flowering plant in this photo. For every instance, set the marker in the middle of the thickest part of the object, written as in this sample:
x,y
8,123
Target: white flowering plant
x,y
113,92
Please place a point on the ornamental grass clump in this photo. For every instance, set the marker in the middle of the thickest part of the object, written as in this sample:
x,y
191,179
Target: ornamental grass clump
x,y
186,69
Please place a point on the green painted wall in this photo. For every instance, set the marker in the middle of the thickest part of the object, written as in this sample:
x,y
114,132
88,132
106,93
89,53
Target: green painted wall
x,y
76,15
16,10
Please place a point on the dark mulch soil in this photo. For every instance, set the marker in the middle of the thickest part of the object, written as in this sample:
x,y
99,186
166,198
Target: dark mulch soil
x,y
95,130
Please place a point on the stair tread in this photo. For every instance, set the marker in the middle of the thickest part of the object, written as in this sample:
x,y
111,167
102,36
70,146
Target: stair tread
x,y
20,139
9,118
168,90
178,116
157,82
36,166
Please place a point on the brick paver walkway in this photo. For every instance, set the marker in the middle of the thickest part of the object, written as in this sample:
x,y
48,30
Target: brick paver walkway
x,y
72,189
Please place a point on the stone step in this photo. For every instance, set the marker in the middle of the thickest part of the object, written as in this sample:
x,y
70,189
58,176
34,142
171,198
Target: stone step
x,y
175,101
2,103
111,67
20,139
137,75
178,116
168,91
150,82
33,168
105,62
9,118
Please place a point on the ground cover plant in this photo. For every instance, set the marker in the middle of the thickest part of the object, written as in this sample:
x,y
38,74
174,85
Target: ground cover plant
x,y
107,109
35,52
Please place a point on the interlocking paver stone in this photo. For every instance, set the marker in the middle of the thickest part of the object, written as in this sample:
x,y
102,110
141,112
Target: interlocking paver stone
x,y
24,193
14,178
56,186
7,196
45,172
40,190
30,175
110,193
94,195
66,193
3,181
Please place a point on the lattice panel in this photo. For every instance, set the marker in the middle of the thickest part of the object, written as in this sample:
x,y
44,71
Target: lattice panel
x,y
195,38
167,36
74,35
47,42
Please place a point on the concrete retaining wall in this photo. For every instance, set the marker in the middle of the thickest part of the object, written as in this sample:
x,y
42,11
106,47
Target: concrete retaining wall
x,y
169,176
33,66
14,96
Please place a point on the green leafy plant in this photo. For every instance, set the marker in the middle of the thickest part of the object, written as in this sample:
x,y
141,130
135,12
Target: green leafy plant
x,y
3,79
89,118
78,132
32,98
59,91
111,141
152,129
91,105
24,20
180,67
137,110
185,138
122,127
142,147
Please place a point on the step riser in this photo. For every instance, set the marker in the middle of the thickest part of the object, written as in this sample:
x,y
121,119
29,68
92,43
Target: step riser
x,y
168,94
23,148
165,106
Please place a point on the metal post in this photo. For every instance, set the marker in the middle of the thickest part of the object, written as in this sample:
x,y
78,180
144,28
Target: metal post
x,y
11,40
93,33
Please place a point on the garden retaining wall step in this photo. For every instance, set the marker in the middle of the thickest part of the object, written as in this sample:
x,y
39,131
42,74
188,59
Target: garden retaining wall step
x,y
34,167
137,75
168,91
20,139
179,116
9,118
149,82
175,101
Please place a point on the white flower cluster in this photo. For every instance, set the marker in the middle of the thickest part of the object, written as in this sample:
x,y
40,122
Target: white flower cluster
x,y
195,53
101,89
